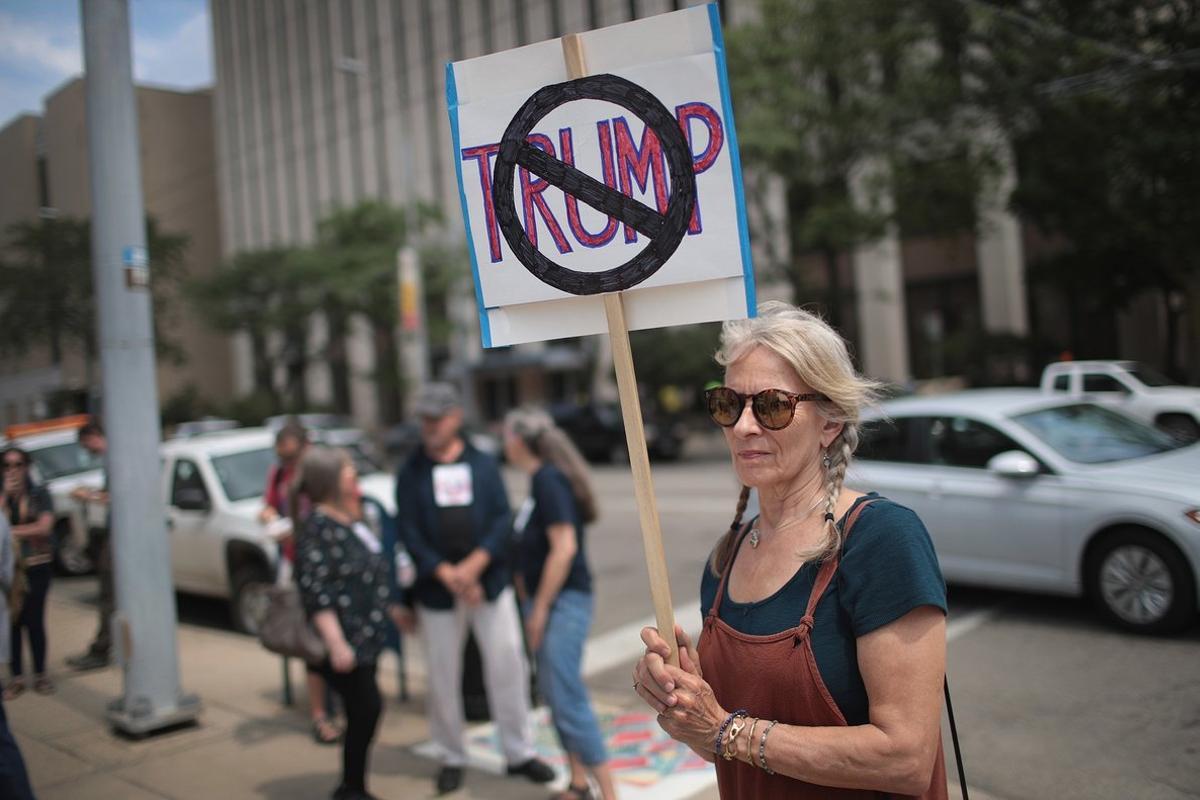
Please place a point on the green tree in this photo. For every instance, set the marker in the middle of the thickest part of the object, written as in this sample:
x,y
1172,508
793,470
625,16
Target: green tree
x,y
1101,100
830,90
354,264
46,288
258,293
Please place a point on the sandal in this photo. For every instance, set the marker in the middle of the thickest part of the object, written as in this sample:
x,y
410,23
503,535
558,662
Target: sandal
x,y
43,685
15,688
325,732
573,792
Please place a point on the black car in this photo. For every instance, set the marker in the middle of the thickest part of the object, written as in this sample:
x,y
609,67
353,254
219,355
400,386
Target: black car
x,y
599,432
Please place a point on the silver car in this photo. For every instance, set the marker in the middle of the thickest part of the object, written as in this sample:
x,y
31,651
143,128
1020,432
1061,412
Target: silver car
x,y
1029,492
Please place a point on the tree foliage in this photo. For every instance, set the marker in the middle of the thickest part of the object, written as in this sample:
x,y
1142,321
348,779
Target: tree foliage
x,y
47,294
1101,100
276,295
854,107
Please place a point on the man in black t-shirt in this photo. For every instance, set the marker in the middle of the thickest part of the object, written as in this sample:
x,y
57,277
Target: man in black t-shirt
x,y
454,519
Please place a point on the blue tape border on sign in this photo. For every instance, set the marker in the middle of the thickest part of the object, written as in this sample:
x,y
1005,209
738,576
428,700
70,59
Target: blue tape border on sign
x,y
485,329
718,40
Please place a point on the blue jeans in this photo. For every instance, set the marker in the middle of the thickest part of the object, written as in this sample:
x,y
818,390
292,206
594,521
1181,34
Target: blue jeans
x,y
559,679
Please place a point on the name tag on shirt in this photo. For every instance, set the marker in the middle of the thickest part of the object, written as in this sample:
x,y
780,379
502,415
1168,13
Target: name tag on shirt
x,y
452,485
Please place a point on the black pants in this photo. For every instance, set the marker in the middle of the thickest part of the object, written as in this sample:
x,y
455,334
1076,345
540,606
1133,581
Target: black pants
x,y
14,780
32,619
102,644
361,701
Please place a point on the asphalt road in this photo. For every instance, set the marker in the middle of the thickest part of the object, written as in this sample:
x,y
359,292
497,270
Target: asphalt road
x,y
1050,702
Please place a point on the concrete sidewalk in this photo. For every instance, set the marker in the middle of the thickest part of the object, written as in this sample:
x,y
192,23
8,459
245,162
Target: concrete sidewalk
x,y
247,744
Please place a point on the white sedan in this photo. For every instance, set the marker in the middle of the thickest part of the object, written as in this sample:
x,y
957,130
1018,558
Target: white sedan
x,y
1029,492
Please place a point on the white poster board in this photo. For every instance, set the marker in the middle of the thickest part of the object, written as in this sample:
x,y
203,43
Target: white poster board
x,y
679,59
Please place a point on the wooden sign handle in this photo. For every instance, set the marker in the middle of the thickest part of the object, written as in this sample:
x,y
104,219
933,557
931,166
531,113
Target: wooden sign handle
x,y
635,431
639,461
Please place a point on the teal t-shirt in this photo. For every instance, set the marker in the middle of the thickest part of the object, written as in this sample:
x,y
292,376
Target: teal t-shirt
x,y
888,568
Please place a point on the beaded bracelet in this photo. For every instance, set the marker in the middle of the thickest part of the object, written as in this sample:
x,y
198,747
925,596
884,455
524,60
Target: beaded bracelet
x,y
741,712
762,748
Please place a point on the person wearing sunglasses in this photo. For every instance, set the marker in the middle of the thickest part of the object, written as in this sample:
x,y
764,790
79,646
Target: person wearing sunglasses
x,y
30,513
818,673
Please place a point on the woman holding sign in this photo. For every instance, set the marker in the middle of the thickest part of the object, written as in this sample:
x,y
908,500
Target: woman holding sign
x,y
556,586
819,670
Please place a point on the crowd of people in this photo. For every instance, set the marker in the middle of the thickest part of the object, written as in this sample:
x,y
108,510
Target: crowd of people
x,y
820,667
475,568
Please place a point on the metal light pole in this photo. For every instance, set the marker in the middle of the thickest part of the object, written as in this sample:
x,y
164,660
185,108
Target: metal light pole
x,y
144,625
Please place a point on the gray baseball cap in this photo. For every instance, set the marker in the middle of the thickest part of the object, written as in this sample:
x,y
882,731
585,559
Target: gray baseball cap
x,y
436,400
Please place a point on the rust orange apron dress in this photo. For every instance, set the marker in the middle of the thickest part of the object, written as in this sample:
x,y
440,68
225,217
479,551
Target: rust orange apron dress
x,y
747,672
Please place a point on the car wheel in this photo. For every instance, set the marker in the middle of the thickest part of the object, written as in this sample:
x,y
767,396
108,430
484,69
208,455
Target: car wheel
x,y
1179,426
1139,581
248,605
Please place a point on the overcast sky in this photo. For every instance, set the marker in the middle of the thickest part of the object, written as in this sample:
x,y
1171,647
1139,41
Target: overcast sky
x,y
41,48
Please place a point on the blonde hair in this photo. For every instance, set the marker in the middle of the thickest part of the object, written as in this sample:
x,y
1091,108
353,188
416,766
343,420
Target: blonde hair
x,y
821,359
317,480
547,441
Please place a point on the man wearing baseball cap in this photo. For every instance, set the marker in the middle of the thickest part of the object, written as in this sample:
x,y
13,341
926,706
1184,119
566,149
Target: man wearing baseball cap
x,y
455,521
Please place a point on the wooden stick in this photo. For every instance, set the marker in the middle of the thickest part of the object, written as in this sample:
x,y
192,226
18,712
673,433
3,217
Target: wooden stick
x,y
639,461
635,432
572,47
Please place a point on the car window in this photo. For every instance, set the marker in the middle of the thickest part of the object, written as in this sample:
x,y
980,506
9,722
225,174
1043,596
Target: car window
x,y
187,485
888,440
1095,382
1090,434
1062,383
60,460
244,475
1148,376
965,442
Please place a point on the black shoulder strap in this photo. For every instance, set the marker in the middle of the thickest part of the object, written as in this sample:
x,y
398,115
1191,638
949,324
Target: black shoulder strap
x,y
962,774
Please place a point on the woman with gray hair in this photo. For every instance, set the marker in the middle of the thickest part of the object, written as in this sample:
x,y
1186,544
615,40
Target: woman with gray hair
x,y
819,670
346,588
555,585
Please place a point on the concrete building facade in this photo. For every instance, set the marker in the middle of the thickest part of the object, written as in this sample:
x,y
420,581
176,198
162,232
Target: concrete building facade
x,y
44,169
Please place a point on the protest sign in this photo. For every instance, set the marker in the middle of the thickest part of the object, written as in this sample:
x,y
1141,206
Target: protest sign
x,y
645,229
626,179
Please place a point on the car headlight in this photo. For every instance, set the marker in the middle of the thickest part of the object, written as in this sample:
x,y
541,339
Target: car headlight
x,y
1193,514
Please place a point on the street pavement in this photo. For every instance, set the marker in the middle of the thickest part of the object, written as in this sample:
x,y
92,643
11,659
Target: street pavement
x,y
1050,703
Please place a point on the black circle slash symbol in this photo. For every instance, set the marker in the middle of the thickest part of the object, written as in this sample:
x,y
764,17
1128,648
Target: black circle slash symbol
x,y
665,231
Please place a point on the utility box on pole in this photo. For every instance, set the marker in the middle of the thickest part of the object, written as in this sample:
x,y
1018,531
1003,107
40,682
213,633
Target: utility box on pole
x,y
414,334
144,625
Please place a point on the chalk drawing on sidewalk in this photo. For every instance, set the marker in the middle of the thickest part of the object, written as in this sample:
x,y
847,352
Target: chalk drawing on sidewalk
x,y
645,761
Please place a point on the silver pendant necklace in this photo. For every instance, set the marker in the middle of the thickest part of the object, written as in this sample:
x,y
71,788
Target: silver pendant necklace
x,y
754,538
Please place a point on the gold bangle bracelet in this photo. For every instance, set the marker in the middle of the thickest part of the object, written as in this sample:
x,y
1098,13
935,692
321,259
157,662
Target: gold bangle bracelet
x,y
734,729
750,741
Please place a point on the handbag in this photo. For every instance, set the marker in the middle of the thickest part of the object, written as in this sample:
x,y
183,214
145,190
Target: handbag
x,y
285,628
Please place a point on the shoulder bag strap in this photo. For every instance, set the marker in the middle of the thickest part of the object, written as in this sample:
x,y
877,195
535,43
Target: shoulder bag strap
x,y
962,774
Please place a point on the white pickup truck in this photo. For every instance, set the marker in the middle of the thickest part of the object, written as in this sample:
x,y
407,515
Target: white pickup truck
x,y
213,486
1131,387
